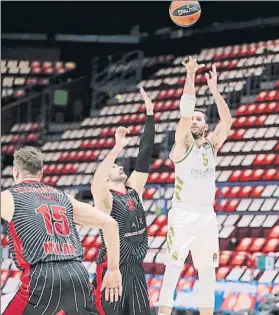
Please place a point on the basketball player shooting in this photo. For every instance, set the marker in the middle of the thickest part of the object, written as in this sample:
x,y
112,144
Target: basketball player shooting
x,y
122,199
46,246
192,224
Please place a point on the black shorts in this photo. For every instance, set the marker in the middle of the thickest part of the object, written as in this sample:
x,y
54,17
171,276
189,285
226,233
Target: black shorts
x,y
56,288
134,299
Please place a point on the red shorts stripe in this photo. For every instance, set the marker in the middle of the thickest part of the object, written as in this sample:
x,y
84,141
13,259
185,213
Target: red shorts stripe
x,y
19,302
99,273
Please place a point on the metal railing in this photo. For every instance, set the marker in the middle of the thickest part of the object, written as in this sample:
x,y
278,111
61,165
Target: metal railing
x,y
114,74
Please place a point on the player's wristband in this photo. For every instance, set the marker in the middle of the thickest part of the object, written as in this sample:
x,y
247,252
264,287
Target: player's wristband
x,y
187,105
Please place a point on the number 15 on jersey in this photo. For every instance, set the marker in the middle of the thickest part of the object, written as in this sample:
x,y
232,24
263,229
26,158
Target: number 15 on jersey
x,y
55,219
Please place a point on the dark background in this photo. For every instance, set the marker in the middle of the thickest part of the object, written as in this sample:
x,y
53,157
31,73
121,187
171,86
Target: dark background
x,y
107,17
119,17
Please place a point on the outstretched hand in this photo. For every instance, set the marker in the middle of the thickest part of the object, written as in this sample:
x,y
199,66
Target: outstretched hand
x,y
191,65
211,78
120,137
147,101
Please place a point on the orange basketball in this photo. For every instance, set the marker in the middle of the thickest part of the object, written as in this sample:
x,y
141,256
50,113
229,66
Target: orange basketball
x,y
185,13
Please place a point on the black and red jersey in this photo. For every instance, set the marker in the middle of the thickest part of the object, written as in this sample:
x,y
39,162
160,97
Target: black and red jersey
x,y
127,210
42,228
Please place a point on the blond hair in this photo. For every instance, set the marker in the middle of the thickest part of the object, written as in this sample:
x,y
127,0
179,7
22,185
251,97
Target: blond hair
x,y
29,160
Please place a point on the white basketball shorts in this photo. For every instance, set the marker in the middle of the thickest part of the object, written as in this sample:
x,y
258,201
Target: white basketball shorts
x,y
195,231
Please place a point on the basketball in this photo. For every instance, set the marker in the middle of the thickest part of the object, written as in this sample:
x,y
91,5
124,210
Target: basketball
x,y
185,13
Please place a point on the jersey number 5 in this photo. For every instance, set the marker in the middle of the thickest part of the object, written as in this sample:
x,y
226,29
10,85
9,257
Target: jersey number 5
x,y
205,160
55,219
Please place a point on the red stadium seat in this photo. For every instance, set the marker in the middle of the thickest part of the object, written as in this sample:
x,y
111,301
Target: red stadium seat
x,y
246,176
90,254
251,121
224,193
149,192
272,95
234,191
157,164
261,120
153,178
162,94
232,205
190,272
164,178
250,110
269,174
161,220
60,168
239,259
88,241
261,97
272,245
274,233
222,273
231,134
257,191
235,176
257,175
64,156
225,257
79,156
169,164
97,242
272,107
153,229
163,231
244,244
257,245
238,135
261,108
240,121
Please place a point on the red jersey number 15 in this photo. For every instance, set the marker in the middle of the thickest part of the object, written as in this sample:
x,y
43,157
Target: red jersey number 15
x,y
55,219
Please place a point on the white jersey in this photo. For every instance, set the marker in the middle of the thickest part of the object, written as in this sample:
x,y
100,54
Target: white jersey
x,y
195,177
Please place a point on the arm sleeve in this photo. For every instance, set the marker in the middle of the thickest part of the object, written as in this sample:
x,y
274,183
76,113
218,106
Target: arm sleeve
x,y
146,146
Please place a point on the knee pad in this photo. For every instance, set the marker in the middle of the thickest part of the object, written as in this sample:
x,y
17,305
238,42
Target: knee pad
x,y
171,276
206,288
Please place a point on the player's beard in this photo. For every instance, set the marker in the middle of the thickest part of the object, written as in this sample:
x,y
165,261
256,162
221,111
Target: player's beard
x,y
197,135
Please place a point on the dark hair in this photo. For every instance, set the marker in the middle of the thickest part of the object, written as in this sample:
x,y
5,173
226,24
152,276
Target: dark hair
x,y
29,159
202,111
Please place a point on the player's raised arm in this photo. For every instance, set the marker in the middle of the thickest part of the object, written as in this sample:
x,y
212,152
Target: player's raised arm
x,y
99,186
222,130
139,177
183,135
